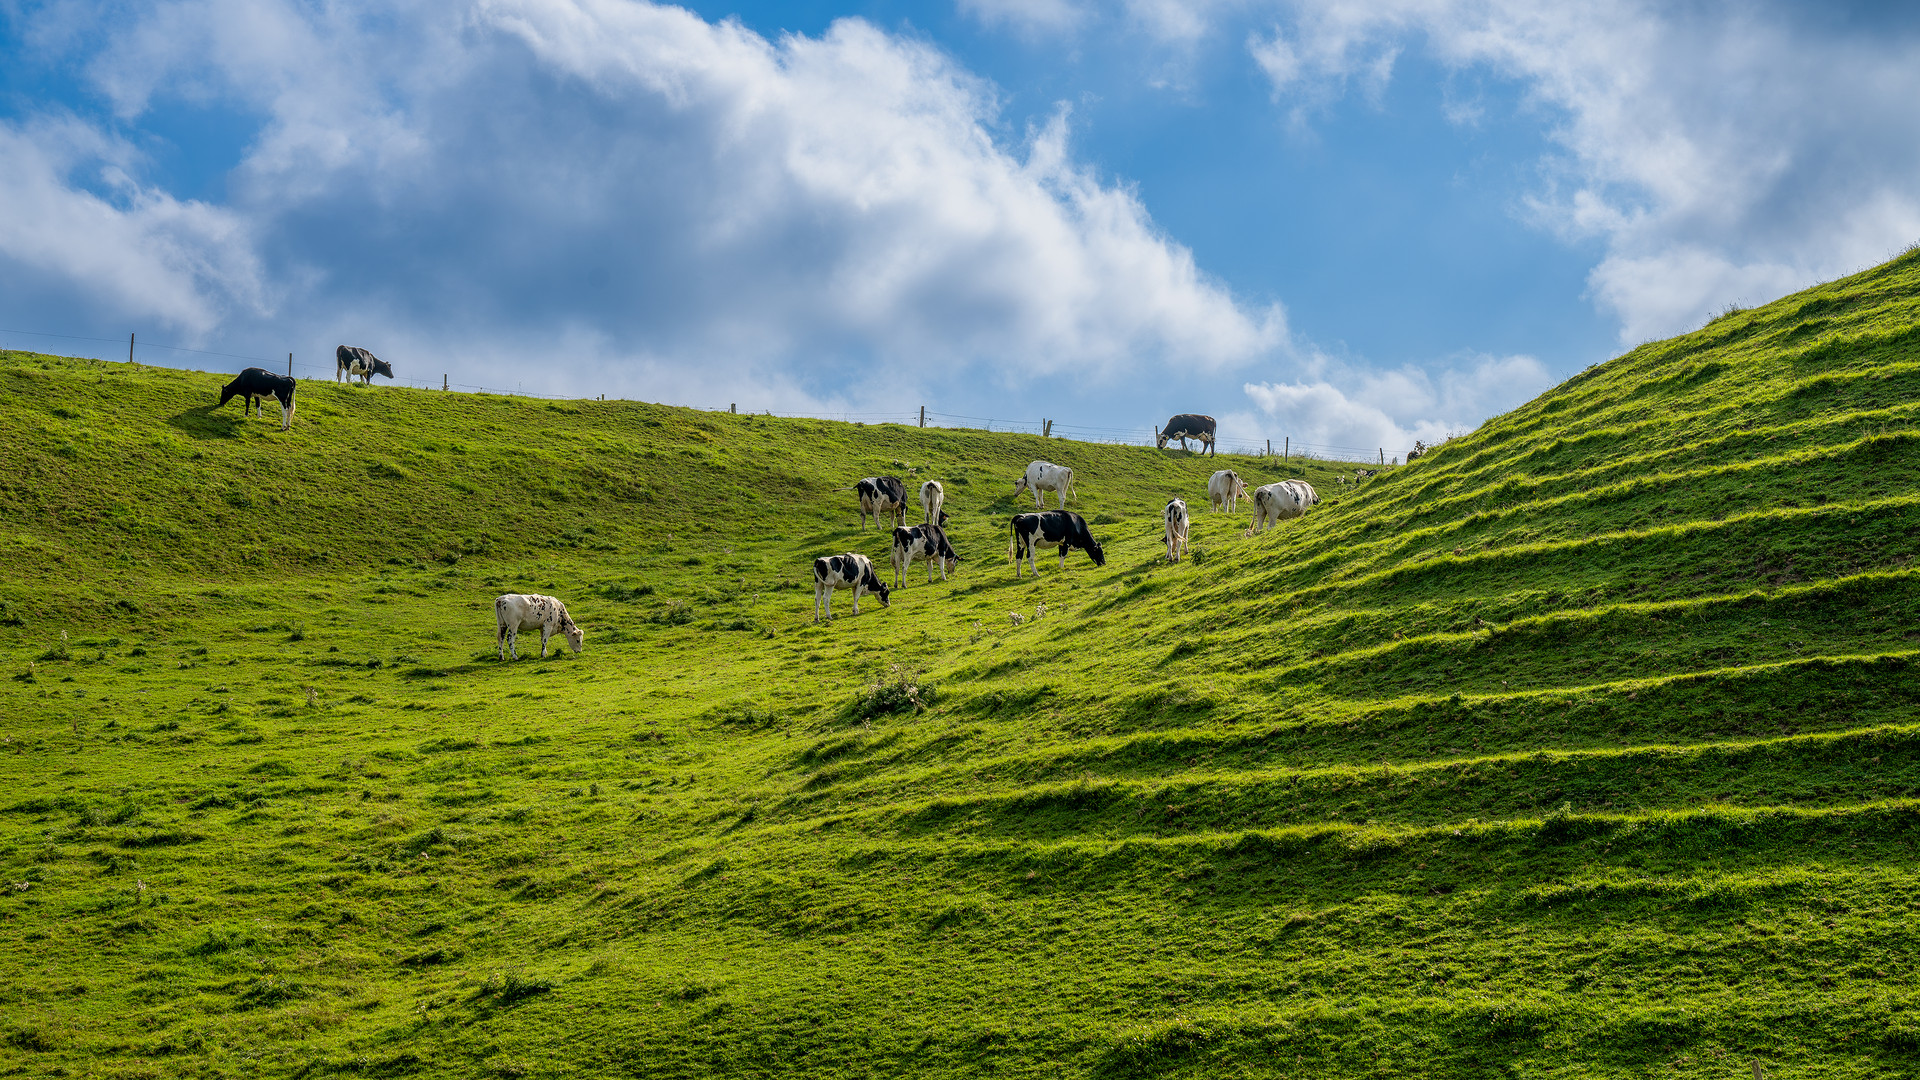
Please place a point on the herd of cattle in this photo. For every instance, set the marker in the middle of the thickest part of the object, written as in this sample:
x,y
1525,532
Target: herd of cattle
x,y
1061,529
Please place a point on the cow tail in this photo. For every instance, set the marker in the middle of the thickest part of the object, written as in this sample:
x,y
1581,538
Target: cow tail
x,y
1013,547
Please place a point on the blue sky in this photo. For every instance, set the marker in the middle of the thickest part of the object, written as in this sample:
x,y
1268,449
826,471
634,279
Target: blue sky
x,y
1348,223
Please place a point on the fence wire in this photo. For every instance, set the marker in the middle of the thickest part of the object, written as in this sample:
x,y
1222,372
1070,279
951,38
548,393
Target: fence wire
x,y
1073,432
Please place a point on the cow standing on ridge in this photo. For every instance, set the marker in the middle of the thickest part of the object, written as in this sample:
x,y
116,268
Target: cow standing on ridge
x,y
1047,529
1188,426
351,360
254,384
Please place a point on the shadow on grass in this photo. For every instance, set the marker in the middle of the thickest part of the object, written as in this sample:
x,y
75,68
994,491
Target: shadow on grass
x,y
207,422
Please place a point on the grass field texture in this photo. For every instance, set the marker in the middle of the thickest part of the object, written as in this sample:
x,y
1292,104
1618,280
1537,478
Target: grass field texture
x,y
1585,746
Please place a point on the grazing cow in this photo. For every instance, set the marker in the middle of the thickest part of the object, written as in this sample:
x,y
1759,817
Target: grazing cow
x,y
1177,523
1047,529
254,384
1275,503
929,542
932,495
515,612
1225,489
1188,426
848,571
882,495
351,360
1045,476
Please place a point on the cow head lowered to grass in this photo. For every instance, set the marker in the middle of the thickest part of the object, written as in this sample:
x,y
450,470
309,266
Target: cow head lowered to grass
x,y
1050,528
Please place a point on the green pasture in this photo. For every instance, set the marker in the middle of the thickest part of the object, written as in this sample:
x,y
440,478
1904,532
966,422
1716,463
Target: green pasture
x,y
1588,745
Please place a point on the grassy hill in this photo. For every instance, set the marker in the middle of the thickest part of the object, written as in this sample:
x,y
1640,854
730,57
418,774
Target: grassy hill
x,y
1584,746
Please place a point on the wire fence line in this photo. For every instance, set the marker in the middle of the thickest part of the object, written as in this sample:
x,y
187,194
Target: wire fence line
x,y
922,418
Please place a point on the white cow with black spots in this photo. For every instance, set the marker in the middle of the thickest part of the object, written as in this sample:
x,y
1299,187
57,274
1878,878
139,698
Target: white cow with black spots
x,y
849,571
1177,525
932,497
1275,503
1045,476
515,612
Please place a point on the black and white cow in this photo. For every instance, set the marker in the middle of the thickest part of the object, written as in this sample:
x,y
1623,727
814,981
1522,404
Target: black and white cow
x,y
253,385
849,571
1177,525
1049,528
927,542
882,495
1189,426
514,612
351,360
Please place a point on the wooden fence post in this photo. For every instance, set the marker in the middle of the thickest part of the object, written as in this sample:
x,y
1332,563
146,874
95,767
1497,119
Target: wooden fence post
x,y
1383,455
1046,429
735,407
289,365
129,348
443,381
1286,448
923,416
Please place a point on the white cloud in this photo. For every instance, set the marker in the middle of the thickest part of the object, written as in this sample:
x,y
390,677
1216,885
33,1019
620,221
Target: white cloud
x,y
77,220
1031,17
1722,153
1342,412
685,204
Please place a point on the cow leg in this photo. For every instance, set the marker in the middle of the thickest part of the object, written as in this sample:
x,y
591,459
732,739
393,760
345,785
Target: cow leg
x,y
545,633
499,636
856,598
513,642
816,603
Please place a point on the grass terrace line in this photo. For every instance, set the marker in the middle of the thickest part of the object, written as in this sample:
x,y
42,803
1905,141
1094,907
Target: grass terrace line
x,y
1589,744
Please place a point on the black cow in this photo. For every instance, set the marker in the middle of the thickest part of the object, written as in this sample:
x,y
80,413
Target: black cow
x,y
882,495
929,542
351,360
254,384
1046,529
850,571
1189,426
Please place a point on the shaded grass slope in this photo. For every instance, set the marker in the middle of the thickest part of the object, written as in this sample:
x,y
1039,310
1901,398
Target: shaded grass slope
x,y
1585,745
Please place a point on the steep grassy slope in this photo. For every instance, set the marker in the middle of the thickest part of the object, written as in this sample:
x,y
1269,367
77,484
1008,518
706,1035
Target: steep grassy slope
x,y
1585,746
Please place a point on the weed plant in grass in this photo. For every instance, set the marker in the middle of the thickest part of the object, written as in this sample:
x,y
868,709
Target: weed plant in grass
x,y
1586,745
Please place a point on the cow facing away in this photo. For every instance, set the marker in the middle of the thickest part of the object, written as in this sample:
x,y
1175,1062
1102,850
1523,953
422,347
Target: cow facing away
x,y
1225,489
929,542
351,360
1177,525
849,571
255,384
882,495
1062,528
1275,503
514,612
1042,477
1188,426
932,497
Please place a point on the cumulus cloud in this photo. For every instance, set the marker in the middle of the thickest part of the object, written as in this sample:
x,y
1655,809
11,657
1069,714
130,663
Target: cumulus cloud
x,y
1721,152
77,220
1341,410
661,200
